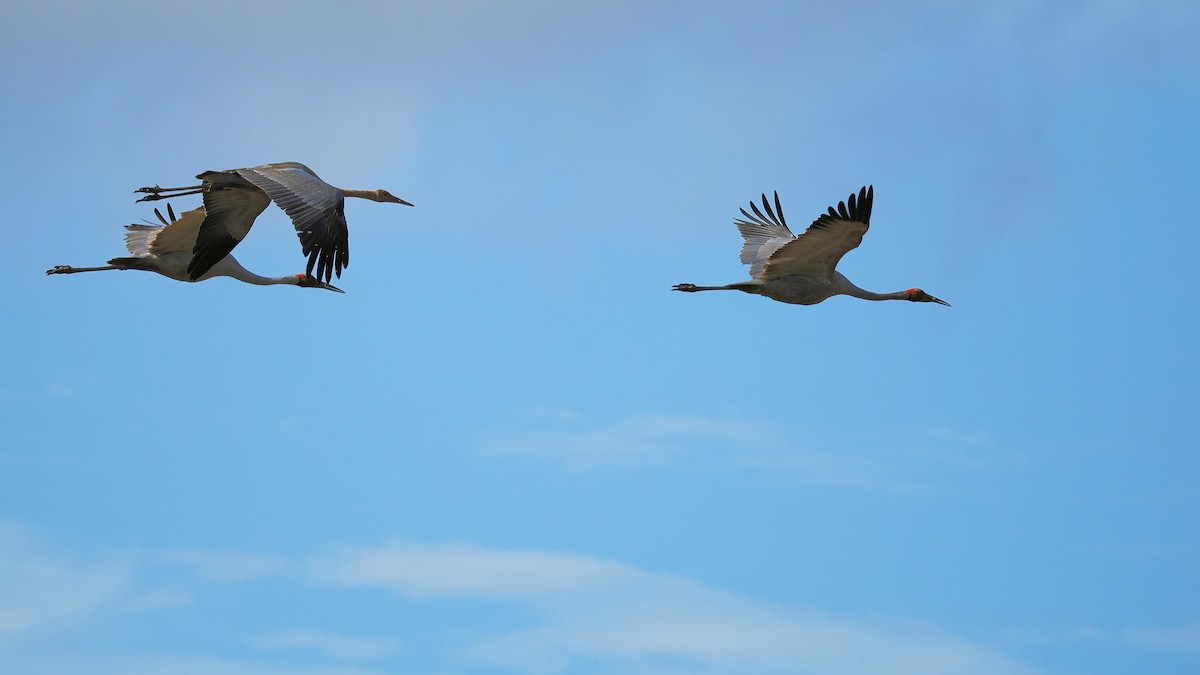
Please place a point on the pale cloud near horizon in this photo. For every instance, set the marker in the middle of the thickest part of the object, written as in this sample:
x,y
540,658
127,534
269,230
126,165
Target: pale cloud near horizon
x,y
576,608
40,590
583,607
592,608
177,664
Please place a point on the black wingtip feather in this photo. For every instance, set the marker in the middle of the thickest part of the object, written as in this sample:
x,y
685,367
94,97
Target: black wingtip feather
x,y
774,216
856,207
767,206
754,208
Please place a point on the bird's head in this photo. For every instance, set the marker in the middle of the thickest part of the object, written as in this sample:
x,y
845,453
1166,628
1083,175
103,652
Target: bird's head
x,y
385,196
306,281
918,295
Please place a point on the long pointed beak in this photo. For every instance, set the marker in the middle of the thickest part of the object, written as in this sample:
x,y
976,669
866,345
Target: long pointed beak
x,y
331,287
939,301
403,202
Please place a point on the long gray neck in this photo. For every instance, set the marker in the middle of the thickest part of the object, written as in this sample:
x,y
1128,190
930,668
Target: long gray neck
x,y
362,194
844,287
232,268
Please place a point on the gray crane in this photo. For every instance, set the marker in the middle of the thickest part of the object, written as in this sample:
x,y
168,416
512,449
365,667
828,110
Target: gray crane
x,y
235,197
167,249
800,270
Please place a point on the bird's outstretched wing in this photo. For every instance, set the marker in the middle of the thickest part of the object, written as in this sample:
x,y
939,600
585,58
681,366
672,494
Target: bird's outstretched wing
x,y
316,210
231,204
763,234
179,235
816,252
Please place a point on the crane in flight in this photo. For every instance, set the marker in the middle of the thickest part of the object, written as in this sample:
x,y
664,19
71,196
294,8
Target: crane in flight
x,y
167,249
233,199
800,270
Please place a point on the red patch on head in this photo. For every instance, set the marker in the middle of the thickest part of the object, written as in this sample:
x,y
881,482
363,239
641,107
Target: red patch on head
x,y
301,276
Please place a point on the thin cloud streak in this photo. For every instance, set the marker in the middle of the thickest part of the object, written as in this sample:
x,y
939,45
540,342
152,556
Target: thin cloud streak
x,y
581,609
177,664
635,441
594,608
216,566
882,461
42,591
1184,638
334,645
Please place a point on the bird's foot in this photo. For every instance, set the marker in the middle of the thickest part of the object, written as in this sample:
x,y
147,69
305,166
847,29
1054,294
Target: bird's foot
x,y
688,288
156,192
60,269
153,193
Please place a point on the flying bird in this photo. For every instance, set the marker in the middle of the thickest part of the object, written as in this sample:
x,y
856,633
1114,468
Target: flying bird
x,y
167,249
800,270
235,197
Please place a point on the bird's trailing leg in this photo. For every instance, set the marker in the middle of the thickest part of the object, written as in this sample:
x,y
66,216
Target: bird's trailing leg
x,y
67,269
155,193
692,288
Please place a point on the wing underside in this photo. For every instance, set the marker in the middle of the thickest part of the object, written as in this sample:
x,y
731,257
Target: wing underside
x,y
764,234
817,251
316,210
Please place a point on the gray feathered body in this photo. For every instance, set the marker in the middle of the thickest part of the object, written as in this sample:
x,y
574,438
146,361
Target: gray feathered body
x,y
800,270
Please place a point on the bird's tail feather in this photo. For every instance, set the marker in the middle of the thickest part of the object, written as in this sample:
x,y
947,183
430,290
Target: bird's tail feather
x,y
138,238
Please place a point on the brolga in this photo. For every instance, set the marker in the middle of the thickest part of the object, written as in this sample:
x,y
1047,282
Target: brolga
x,y
801,270
235,197
167,249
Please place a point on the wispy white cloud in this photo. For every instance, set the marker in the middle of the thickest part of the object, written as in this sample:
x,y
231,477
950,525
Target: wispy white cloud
x,y
879,459
218,566
158,600
70,385
1182,638
637,440
461,570
578,612
344,647
591,608
39,589
1185,638
175,664
59,389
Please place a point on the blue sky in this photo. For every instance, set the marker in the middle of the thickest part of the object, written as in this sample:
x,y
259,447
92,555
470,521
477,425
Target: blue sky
x,y
509,448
